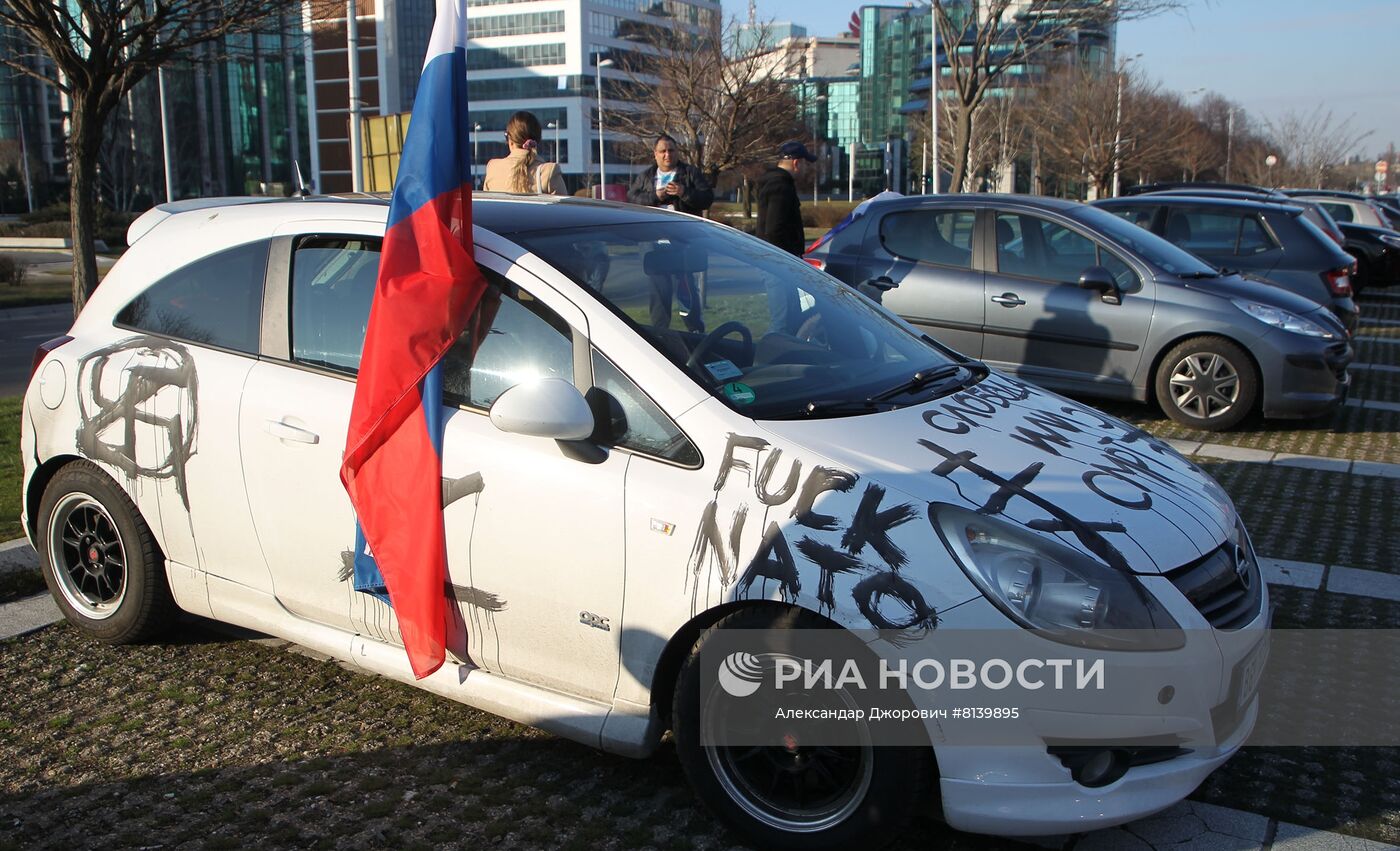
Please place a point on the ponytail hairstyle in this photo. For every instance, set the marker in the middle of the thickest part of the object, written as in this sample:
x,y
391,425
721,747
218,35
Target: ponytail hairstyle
x,y
523,129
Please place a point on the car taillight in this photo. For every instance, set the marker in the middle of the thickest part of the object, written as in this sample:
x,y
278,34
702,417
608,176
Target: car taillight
x,y
816,263
43,352
1337,281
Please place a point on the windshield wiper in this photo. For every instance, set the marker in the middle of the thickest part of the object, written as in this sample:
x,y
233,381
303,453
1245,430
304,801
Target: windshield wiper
x,y
922,379
827,407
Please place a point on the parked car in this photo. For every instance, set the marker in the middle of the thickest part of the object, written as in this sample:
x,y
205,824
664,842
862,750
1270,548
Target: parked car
x,y
1311,211
1345,206
181,446
1176,185
1377,253
1078,300
1263,240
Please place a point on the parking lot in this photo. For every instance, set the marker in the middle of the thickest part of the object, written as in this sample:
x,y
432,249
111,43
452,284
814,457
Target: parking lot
x,y
217,739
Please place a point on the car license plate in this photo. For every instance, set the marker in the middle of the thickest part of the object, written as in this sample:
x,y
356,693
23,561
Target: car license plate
x,y
1249,673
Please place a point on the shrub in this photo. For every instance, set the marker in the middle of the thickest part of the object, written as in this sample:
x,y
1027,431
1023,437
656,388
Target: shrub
x,y
12,271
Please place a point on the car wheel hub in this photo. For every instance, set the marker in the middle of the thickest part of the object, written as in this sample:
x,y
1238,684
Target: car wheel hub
x,y
1204,385
86,556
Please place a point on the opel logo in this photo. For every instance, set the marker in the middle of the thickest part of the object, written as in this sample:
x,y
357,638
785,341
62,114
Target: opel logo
x,y
1242,566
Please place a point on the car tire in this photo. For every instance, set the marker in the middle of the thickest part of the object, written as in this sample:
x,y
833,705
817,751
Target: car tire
x,y
1207,383
100,560
882,790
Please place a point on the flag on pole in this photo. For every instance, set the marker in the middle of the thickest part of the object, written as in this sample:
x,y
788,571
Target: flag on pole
x,y
428,286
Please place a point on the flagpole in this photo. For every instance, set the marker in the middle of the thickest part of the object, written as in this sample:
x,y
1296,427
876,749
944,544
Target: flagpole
x,y
602,171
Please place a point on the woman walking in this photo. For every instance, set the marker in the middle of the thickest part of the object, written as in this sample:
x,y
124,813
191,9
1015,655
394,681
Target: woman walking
x,y
522,171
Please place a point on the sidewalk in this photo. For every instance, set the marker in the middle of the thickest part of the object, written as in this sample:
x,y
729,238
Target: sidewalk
x,y
31,613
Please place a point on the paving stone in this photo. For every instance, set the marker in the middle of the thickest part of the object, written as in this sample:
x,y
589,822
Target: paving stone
x,y
1234,453
1365,583
1233,823
27,615
1169,827
1373,339
1375,468
1313,462
1294,574
1373,405
1375,367
17,556
1293,837
1185,447
1114,839
1055,843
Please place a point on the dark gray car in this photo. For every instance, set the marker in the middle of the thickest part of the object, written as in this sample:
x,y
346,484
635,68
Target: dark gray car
x,y
1259,238
1078,300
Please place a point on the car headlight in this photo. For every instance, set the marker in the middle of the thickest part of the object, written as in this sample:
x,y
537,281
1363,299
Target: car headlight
x,y
1287,320
1049,587
1392,241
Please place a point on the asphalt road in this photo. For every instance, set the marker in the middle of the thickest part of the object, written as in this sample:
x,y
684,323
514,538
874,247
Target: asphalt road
x,y
22,329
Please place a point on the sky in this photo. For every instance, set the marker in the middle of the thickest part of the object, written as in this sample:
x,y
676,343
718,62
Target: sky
x,y
1269,56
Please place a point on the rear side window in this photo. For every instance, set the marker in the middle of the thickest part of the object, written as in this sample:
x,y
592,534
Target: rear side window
x,y
1340,212
216,301
933,236
332,288
1254,237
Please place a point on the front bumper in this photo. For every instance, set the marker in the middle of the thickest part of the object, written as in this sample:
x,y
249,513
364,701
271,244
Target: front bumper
x,y
1307,379
994,803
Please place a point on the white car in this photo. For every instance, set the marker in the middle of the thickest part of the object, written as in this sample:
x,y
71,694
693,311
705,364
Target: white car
x,y
766,448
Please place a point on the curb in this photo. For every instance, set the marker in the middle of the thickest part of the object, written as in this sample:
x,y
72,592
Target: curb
x,y
1225,452
18,556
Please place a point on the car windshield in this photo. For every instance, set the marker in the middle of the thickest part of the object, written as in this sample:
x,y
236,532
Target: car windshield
x,y
759,329
1144,243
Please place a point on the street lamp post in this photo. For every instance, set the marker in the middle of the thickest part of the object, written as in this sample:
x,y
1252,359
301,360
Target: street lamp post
x,y
1271,161
476,148
1230,141
602,168
554,125
933,90
1118,122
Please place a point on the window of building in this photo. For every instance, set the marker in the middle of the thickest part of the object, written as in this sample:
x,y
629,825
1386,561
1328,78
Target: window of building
x,y
933,236
525,55
524,23
216,301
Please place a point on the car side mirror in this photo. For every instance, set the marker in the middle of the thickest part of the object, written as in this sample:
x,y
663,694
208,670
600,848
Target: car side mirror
x,y
550,407
1100,279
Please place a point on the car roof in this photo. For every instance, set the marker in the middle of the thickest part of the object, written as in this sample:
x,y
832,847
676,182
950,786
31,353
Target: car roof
x,y
1043,202
1326,193
498,212
1256,204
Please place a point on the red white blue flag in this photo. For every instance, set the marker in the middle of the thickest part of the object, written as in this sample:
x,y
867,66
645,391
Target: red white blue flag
x,y
428,287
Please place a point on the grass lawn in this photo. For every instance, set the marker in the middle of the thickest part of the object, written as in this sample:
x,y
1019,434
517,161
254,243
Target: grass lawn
x,y
45,290
9,468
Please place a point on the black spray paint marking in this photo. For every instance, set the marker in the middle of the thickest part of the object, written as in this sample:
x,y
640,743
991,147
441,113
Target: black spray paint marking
x,y
1090,537
708,538
773,561
765,475
347,566
820,480
730,462
831,561
455,489
475,597
872,526
142,383
870,592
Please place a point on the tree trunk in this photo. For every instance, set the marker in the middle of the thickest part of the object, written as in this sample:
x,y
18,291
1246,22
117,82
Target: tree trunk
x,y
83,144
962,145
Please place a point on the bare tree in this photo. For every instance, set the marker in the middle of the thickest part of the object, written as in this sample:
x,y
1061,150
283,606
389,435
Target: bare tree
x,y
1078,123
98,51
986,38
722,102
1310,144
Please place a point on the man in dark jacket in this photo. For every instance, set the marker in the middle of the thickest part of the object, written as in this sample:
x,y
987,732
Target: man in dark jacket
x,y
678,186
780,222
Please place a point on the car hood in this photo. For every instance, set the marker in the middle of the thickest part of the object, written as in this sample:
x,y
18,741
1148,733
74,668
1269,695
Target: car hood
x,y
1251,289
1059,468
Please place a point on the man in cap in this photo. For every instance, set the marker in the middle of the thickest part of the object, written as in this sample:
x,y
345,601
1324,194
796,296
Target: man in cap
x,y
780,223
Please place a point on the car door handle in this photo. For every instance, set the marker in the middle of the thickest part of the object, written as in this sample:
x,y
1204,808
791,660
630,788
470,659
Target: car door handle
x,y
1008,300
284,431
